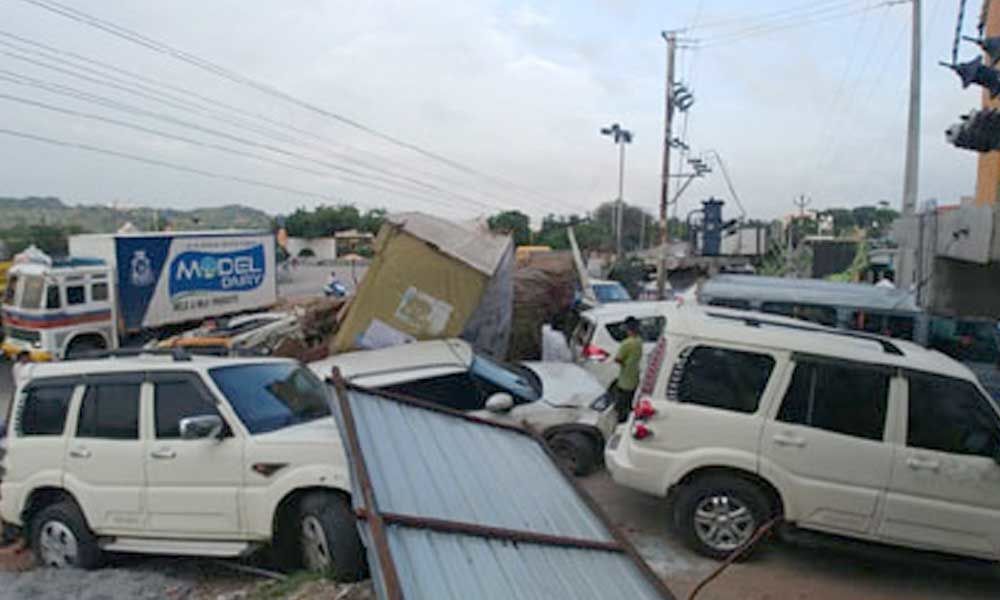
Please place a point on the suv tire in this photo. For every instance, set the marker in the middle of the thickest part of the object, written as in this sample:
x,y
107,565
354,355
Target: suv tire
x,y
60,538
716,514
324,537
575,451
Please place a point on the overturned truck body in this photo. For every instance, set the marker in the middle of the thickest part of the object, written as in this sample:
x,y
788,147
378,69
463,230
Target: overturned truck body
x,y
431,279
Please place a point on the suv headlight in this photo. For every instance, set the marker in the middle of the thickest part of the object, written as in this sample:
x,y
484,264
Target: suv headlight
x,y
602,402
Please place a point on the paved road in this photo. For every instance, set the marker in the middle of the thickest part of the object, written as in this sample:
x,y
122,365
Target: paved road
x,y
783,570
308,280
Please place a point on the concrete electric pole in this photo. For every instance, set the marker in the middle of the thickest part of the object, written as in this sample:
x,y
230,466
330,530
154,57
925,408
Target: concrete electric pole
x,y
908,267
661,267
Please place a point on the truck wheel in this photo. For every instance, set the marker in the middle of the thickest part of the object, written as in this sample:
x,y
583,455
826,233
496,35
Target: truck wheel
x,y
82,347
328,537
576,452
717,514
61,539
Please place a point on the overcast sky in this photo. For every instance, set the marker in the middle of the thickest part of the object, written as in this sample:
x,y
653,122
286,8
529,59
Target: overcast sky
x,y
516,91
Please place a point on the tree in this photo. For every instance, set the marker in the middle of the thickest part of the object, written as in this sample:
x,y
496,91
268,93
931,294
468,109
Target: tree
x,y
323,221
372,220
514,222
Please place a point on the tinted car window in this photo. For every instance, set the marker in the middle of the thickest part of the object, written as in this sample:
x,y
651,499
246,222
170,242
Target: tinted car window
x,y
650,329
730,303
44,410
270,396
814,313
176,400
610,292
950,415
456,391
838,398
52,297
517,380
75,295
720,378
11,290
110,411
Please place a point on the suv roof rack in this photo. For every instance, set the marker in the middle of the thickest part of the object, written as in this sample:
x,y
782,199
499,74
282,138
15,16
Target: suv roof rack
x,y
887,346
178,354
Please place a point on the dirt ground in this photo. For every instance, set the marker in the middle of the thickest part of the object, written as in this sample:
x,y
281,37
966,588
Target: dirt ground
x,y
784,570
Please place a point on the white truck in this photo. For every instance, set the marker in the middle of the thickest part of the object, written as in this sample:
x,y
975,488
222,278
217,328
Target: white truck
x,y
117,285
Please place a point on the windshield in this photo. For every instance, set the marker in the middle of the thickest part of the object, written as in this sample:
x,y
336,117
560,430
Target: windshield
x,y
610,292
272,396
31,295
965,340
519,381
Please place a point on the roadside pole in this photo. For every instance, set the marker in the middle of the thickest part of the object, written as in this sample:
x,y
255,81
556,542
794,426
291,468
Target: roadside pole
x,y
621,199
909,256
661,269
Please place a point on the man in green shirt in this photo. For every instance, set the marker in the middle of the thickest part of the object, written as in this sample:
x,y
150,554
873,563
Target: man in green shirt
x,y
629,356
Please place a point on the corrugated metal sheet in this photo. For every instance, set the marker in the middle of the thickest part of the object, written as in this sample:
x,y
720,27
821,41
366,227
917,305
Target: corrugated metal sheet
x,y
477,247
450,494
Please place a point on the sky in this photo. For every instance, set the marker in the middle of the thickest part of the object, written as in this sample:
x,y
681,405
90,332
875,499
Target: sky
x,y
462,109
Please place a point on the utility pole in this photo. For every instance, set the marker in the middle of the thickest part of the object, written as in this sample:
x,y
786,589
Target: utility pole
x,y
802,202
908,259
661,268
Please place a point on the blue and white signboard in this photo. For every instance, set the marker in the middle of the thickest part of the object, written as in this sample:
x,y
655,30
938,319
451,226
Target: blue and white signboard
x,y
173,278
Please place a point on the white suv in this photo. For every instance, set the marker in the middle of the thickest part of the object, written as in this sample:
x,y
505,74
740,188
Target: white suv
x,y
560,401
178,455
596,338
742,417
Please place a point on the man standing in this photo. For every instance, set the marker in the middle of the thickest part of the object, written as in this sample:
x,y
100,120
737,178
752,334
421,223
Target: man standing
x,y
629,356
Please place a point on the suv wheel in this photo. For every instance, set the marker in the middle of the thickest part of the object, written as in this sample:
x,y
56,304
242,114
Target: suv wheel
x,y
576,452
716,515
328,538
60,538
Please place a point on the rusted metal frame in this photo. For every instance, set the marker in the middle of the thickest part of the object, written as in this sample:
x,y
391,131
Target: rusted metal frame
x,y
499,533
375,522
622,540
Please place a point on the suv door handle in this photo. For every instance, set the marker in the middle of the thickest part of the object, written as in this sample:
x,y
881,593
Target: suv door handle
x,y
923,464
79,453
787,439
164,454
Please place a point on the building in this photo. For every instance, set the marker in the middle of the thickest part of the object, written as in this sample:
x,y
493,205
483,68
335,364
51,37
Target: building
x,y
352,241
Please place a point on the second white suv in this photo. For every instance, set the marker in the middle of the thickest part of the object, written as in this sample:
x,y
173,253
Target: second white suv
x,y
178,455
560,401
743,417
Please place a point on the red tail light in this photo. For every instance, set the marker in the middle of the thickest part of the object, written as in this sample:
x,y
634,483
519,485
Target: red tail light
x,y
640,431
595,353
644,409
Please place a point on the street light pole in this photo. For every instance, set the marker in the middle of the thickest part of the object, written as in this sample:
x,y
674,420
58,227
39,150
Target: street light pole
x,y
620,136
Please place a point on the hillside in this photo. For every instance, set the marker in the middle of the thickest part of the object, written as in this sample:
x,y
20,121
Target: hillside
x,y
103,219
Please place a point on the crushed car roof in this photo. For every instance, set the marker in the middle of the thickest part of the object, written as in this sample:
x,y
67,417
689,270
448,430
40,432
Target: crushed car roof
x,y
455,507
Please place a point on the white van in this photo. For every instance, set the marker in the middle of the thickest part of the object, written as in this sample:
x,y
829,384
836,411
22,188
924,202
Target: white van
x,y
742,417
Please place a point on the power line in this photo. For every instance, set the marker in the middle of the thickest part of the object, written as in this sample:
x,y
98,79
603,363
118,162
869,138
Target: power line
x,y
148,90
738,25
165,164
771,29
138,111
281,137
235,77
209,145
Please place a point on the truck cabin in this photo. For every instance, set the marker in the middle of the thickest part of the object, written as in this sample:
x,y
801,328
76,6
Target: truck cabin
x,y
54,308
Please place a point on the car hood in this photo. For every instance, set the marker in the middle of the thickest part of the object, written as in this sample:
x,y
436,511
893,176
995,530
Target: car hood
x,y
320,431
566,384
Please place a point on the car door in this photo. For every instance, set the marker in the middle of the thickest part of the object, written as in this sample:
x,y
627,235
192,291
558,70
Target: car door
x,y
193,485
825,447
103,465
945,487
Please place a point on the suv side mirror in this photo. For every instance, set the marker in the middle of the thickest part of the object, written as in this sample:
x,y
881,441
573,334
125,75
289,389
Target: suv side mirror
x,y
500,402
200,427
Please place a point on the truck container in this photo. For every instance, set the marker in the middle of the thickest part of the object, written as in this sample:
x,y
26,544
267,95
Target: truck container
x,y
116,286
